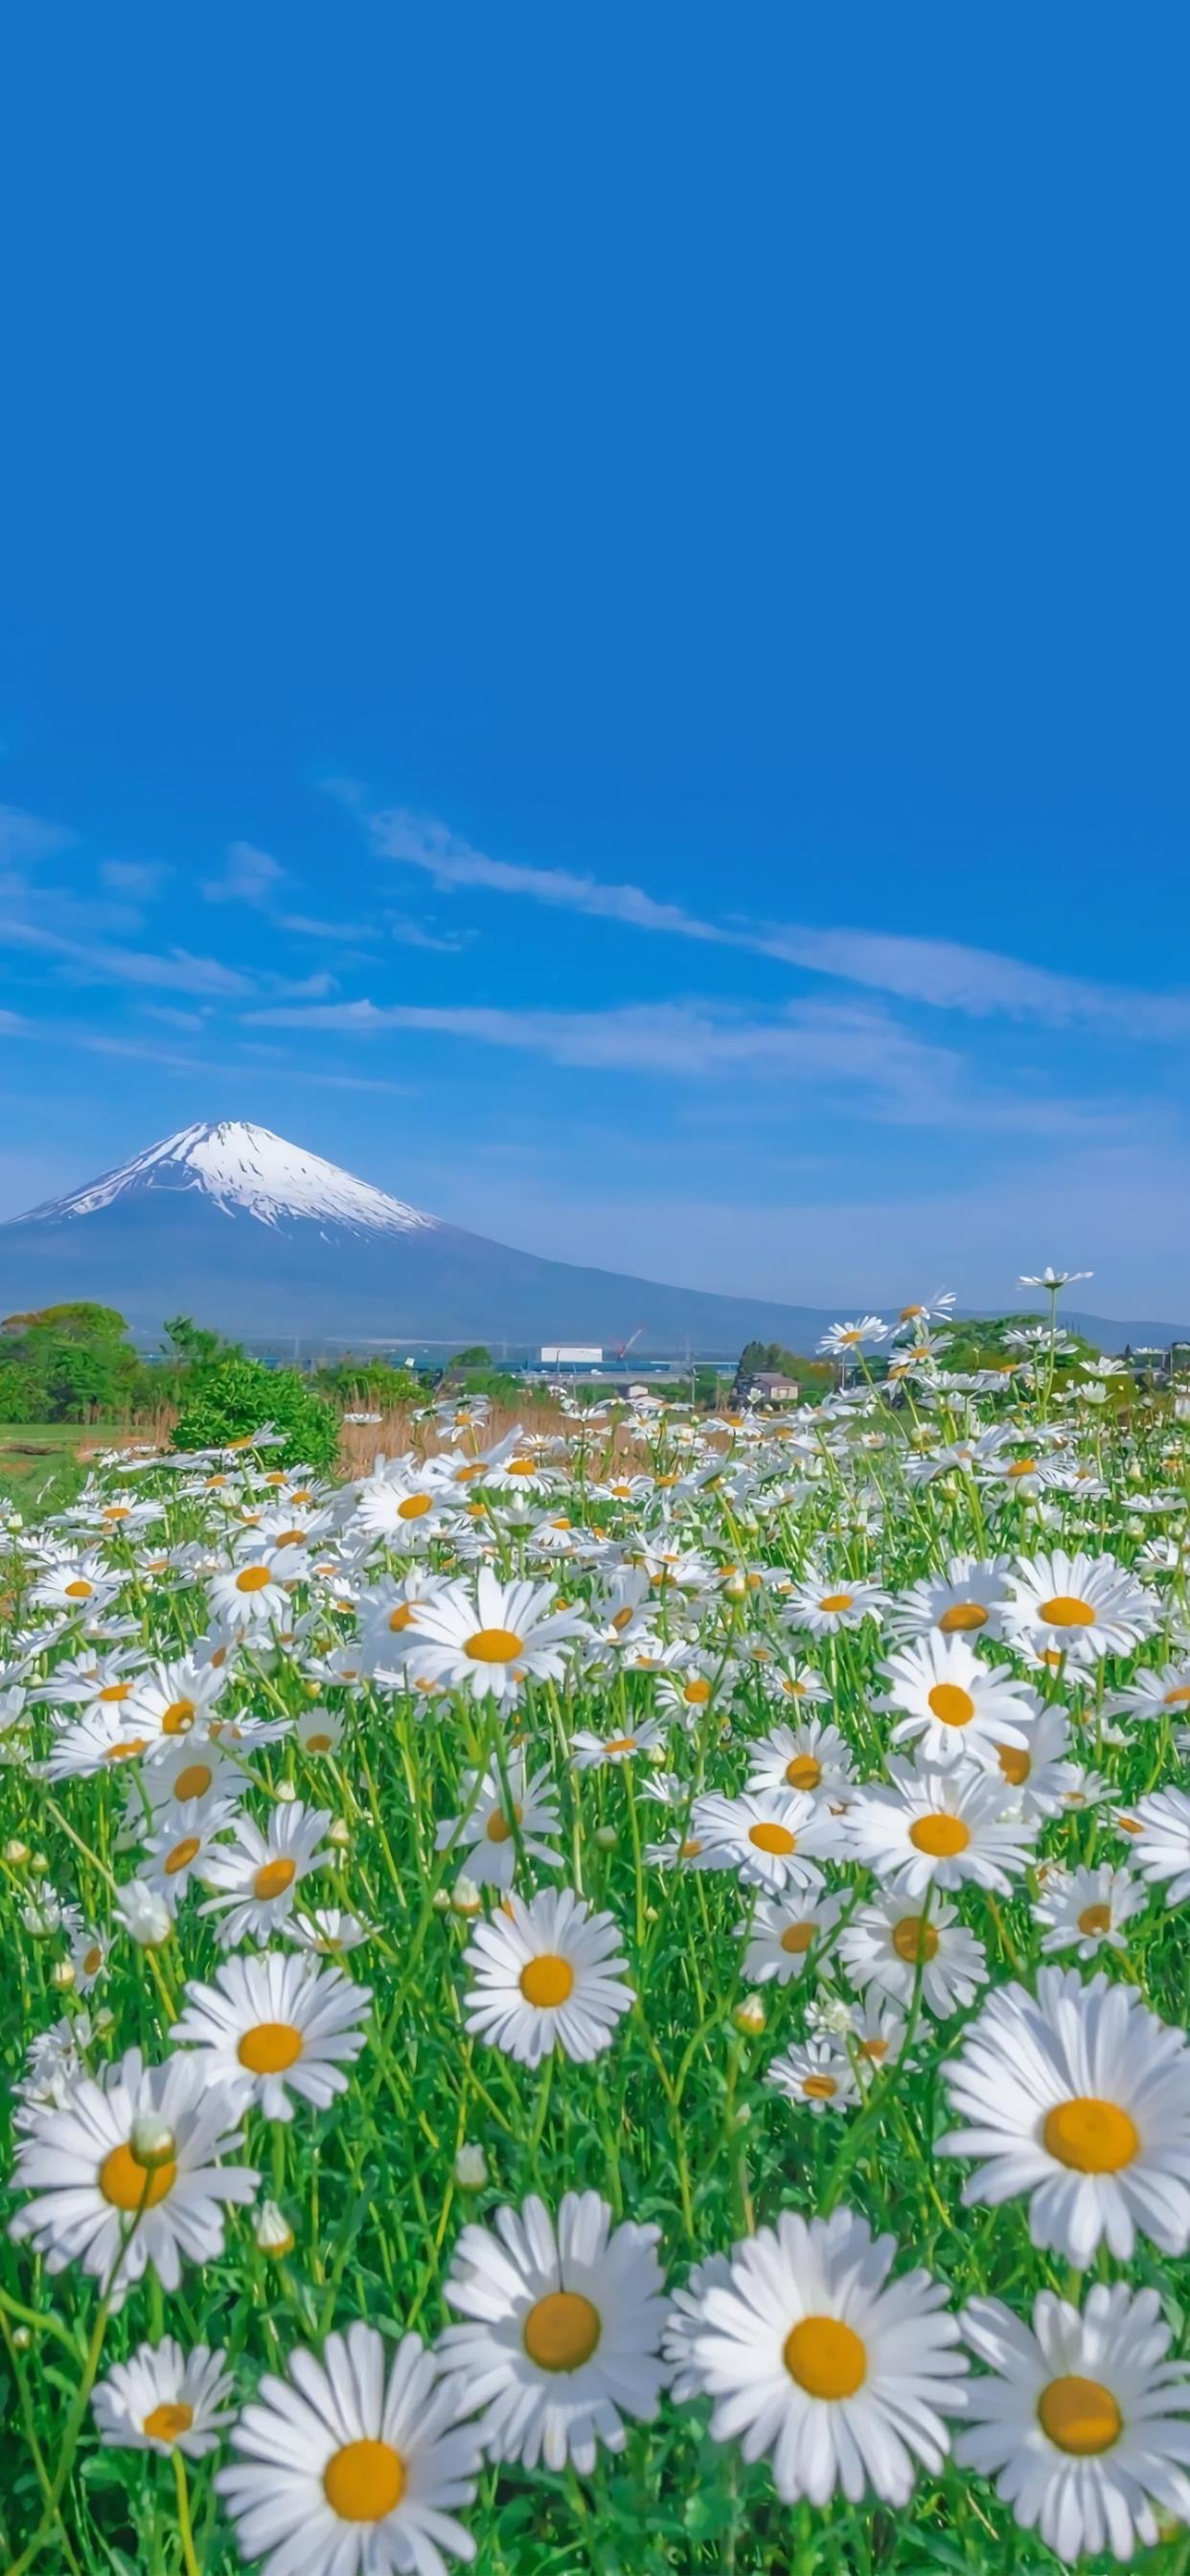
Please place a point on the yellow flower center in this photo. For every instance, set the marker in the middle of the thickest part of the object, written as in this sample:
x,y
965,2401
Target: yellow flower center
x,y
876,2048
939,1835
690,1849
274,1877
1095,1918
165,2423
620,1744
181,1855
116,1691
270,2048
178,1718
1014,1763
1089,2135
126,1750
414,1506
1179,1698
804,1772
1023,1467
79,1590
951,1705
819,2088
400,1617
547,1980
914,1940
500,1827
1080,2416
93,1961
318,1743
961,1616
773,1838
130,2185
697,1693
1065,1610
836,1601
364,2481
797,1937
562,2330
493,1646
194,1781
253,1578
825,2357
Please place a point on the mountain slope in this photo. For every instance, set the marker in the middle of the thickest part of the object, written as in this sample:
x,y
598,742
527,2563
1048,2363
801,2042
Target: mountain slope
x,y
245,1231
236,1226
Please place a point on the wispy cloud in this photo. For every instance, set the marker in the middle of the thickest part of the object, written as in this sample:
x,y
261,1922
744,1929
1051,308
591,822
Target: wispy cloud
x,y
99,962
171,1018
843,1049
411,934
141,878
27,836
249,877
419,841
943,974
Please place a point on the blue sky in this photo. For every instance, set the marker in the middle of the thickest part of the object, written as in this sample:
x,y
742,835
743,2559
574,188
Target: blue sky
x,y
592,624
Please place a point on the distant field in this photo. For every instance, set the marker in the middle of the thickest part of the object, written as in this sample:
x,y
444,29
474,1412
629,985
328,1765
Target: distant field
x,y
34,1454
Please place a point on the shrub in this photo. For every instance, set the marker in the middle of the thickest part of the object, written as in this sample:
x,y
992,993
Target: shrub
x,y
236,1397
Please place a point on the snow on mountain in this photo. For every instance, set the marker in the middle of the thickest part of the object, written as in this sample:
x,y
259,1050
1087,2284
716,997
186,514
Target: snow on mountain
x,y
248,1169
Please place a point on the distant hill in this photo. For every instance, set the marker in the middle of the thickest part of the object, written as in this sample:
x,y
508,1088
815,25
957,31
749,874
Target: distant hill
x,y
235,1226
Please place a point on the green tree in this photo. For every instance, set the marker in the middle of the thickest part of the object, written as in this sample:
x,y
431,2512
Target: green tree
x,y
233,1398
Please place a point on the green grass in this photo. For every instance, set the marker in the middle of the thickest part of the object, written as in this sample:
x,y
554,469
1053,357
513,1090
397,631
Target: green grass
x,y
675,2124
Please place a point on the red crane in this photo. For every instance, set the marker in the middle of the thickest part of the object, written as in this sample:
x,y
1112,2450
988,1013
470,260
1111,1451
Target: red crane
x,y
622,1348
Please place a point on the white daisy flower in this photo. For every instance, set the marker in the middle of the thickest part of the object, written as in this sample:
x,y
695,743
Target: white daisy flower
x,y
1078,1606
685,2323
164,2399
591,1752
795,1681
956,1707
940,1826
888,1942
327,1930
190,1782
1087,1909
967,1601
828,1604
1153,1695
840,1340
1081,2099
256,1874
1039,1774
814,2357
488,1636
275,2024
1159,1827
179,1849
255,1593
144,2147
565,2325
343,2468
1080,2420
813,1757
774,1837
784,1933
815,2073
550,1974
488,1831
175,1699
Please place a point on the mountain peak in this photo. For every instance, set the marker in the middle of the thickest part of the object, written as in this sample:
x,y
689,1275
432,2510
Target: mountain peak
x,y
246,1170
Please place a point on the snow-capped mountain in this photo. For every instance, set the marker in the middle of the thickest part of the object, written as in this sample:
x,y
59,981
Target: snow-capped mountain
x,y
243,1230
238,1228
243,1167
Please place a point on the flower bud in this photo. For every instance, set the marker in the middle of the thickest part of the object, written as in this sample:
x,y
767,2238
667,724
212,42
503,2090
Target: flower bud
x,y
16,1854
62,1975
470,2168
606,1837
152,2142
273,2233
339,1833
21,2338
466,1898
285,1793
146,1916
749,2016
